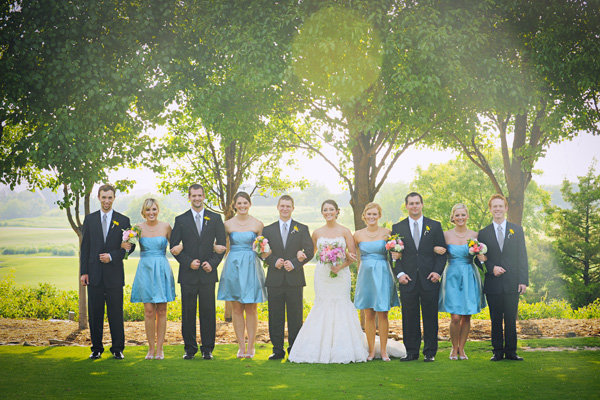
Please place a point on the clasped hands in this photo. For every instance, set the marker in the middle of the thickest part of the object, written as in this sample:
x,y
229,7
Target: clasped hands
x,y
287,264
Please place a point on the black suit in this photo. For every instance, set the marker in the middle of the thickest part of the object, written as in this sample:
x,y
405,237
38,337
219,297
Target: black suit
x,y
106,281
285,287
502,291
198,286
420,293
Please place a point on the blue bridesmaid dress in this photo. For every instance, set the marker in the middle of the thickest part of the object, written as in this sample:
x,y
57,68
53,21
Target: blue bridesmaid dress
x,y
375,283
243,277
153,281
461,284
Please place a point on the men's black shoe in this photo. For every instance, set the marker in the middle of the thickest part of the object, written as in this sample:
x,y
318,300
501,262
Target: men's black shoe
x,y
95,355
513,357
410,357
207,355
496,357
187,356
429,359
277,356
118,355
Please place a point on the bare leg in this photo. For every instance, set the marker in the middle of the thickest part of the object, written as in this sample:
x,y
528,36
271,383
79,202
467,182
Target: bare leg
x,y
370,331
455,334
237,316
161,329
251,326
382,318
465,327
149,322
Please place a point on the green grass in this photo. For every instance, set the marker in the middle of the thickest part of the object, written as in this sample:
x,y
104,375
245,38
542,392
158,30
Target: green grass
x,y
65,372
21,237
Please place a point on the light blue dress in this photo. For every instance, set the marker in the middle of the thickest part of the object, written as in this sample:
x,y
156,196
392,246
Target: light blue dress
x,y
153,281
375,283
243,277
461,284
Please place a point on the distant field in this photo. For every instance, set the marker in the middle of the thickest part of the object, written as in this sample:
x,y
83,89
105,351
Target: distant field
x,y
20,236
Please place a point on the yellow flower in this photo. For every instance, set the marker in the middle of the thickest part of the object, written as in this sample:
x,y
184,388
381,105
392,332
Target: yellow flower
x,y
207,218
296,228
131,235
511,231
115,223
427,228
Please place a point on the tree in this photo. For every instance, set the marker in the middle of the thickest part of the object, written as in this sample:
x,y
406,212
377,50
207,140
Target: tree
x,y
576,232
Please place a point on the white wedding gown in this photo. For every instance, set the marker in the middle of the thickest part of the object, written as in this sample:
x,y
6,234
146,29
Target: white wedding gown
x,y
331,332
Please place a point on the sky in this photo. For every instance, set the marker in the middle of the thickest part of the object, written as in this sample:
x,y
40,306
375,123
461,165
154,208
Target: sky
x,y
564,160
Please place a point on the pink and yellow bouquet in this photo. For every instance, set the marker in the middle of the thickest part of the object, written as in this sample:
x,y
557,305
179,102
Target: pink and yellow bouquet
x,y
261,245
332,253
394,243
476,248
131,235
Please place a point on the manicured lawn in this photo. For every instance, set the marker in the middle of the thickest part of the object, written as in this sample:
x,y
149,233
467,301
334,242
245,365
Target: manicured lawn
x,y
23,237
65,372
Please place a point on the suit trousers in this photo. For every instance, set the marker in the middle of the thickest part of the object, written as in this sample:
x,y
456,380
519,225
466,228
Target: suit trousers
x,y
202,295
113,298
425,301
282,299
504,307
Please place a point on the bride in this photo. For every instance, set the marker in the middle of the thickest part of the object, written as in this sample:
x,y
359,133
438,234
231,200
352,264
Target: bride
x,y
331,332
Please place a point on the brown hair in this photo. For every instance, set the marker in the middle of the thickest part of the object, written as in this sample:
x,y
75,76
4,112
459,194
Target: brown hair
x,y
149,202
195,186
333,203
107,187
237,196
286,197
458,206
497,196
412,194
368,207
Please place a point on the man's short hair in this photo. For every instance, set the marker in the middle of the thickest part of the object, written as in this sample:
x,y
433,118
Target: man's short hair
x,y
195,186
412,194
107,187
286,197
497,196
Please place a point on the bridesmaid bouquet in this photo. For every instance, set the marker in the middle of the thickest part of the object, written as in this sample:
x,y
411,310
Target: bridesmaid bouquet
x,y
476,248
261,245
394,243
131,235
332,253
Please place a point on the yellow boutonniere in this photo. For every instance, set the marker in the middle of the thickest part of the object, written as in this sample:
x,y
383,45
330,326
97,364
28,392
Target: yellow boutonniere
x,y
510,232
427,229
115,223
295,228
207,218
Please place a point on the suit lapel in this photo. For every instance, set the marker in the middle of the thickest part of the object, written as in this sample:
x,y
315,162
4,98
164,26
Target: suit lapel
x,y
277,228
405,225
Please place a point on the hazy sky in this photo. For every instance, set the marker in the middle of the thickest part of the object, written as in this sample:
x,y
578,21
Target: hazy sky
x,y
564,160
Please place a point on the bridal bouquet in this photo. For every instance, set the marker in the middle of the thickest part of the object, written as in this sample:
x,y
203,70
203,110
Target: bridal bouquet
x,y
131,235
476,248
261,245
394,243
332,253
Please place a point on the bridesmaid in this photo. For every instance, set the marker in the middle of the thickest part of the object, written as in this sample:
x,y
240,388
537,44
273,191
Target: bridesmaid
x,y
375,290
460,293
243,279
153,284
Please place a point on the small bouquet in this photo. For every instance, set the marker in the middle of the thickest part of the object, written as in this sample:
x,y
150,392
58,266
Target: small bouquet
x,y
476,248
261,245
130,236
332,253
394,243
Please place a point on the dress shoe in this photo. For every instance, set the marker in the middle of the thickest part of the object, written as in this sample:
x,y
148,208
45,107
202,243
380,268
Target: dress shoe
x,y
188,356
496,357
429,359
513,357
118,355
410,357
277,356
207,355
95,355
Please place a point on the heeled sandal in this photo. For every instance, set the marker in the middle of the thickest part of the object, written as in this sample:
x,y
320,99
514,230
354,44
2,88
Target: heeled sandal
x,y
241,354
463,357
149,356
453,357
160,356
251,355
386,358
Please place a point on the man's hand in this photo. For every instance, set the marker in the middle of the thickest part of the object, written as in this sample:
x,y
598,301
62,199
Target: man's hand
x,y
301,256
497,271
482,257
522,288
288,266
404,279
396,255
434,277
85,279
126,245
279,263
105,258
206,266
439,250
195,264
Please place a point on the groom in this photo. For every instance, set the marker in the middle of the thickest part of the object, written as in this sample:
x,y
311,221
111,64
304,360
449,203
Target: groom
x,y
418,270
101,270
506,278
198,229
291,248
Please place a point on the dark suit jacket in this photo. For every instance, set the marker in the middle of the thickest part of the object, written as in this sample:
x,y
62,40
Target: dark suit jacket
x,y
419,264
513,258
196,247
111,274
298,239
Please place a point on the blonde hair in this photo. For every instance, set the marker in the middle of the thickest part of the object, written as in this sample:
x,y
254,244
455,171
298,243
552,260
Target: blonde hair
x,y
368,207
149,202
458,206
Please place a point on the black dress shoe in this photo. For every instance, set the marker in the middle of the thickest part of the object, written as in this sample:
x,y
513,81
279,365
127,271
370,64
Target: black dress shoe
x,y
513,357
187,356
207,355
118,355
277,356
496,357
410,357
95,355
429,359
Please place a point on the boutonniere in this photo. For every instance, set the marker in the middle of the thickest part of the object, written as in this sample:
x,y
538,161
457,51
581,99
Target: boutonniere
x,y
294,229
206,219
427,229
114,223
510,233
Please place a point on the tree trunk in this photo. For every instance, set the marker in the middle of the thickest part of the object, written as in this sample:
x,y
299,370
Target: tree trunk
x,y
364,183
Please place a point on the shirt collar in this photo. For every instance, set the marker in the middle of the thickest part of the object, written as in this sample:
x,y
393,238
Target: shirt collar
x,y
108,215
419,221
288,222
195,213
503,225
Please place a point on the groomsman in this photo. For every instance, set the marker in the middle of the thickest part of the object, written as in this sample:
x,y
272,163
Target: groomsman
x,y
506,278
419,270
101,270
291,248
198,229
